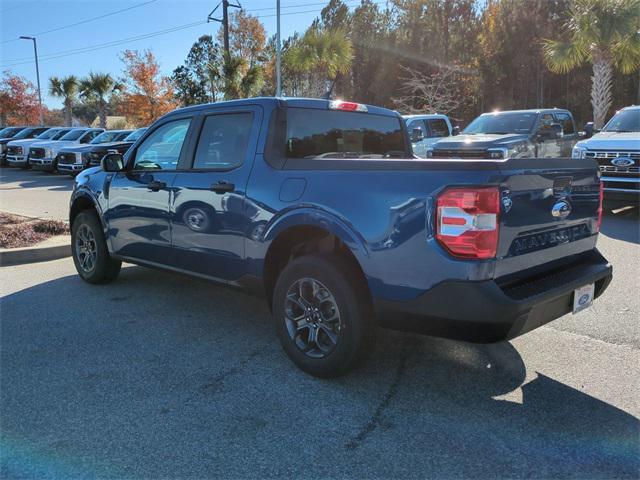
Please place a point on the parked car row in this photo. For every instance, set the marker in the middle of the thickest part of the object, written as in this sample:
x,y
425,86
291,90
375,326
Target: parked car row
x,y
63,149
541,133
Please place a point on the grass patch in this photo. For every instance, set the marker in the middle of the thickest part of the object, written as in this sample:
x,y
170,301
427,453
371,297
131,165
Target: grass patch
x,y
17,231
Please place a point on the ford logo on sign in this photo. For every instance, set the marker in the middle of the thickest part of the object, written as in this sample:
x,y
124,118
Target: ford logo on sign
x,y
622,162
561,209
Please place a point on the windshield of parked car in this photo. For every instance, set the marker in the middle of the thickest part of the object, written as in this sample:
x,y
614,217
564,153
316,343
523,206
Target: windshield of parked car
x,y
59,134
9,132
26,133
315,133
135,135
73,134
624,121
106,137
502,123
48,134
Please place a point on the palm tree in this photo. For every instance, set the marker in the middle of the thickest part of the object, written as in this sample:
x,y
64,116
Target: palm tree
x,y
95,88
240,79
605,33
327,52
67,89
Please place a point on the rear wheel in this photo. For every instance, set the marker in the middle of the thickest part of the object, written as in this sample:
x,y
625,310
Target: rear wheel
x,y
89,249
323,315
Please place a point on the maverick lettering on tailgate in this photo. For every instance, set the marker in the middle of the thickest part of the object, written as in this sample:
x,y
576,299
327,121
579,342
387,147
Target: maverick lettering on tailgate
x,y
540,241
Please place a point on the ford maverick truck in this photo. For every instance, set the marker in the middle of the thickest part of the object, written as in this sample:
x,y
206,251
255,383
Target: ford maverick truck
x,y
321,207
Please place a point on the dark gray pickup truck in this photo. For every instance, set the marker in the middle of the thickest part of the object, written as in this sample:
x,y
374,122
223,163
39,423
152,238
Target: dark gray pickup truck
x,y
544,133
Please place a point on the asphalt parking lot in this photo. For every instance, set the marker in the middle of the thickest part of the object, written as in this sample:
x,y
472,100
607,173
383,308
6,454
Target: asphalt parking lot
x,y
163,376
35,194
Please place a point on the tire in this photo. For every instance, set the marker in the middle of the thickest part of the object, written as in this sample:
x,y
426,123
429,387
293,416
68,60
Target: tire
x,y
354,331
87,239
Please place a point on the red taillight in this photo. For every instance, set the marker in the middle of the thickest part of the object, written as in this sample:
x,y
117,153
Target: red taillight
x,y
467,221
600,207
347,106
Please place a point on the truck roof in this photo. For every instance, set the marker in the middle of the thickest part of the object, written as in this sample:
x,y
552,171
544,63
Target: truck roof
x,y
530,110
424,115
279,102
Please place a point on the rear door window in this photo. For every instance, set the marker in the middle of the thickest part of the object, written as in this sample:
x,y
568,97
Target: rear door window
x,y
223,141
438,127
329,134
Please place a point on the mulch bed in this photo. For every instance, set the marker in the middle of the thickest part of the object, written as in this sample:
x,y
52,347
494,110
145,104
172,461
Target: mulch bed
x,y
17,231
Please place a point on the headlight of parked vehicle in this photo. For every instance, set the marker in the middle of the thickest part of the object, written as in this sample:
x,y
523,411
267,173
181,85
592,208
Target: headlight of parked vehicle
x,y
578,152
48,152
429,152
510,151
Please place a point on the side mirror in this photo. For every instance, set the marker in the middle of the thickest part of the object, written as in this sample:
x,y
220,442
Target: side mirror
x,y
455,131
589,129
112,162
417,135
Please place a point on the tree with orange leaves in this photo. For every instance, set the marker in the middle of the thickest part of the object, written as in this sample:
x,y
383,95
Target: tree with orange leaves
x,y
18,101
147,95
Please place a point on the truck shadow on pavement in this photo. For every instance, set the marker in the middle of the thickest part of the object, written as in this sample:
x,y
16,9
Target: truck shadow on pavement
x,y
623,226
158,375
35,179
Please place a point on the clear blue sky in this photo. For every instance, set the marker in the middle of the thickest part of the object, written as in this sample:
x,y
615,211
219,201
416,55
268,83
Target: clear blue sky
x,y
33,17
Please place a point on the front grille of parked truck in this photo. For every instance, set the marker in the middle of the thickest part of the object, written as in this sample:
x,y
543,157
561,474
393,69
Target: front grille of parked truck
x,y
36,153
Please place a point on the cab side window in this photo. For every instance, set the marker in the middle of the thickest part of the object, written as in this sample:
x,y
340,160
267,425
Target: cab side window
x,y
546,120
87,137
567,124
438,127
223,141
161,150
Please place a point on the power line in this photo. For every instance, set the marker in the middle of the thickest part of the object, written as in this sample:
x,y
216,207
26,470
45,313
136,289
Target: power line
x,y
84,21
91,48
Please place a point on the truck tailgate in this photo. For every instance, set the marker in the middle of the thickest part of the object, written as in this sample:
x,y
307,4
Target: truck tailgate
x,y
549,210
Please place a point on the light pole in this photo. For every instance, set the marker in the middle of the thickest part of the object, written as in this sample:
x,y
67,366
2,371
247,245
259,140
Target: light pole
x,y
278,51
35,52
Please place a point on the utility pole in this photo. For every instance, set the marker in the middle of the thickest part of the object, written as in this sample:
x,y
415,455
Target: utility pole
x,y
224,20
278,52
35,52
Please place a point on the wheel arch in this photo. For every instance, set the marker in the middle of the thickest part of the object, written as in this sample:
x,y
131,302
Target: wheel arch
x,y
309,232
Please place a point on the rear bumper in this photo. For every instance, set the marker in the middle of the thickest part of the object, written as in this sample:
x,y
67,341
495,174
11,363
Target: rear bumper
x,y
492,311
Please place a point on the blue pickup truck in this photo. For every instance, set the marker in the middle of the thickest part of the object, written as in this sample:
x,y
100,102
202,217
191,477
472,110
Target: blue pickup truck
x,y
321,207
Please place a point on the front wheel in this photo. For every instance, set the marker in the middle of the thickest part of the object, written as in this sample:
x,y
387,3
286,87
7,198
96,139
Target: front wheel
x,y
323,315
89,249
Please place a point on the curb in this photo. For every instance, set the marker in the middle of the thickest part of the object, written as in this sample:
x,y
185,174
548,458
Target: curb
x,y
20,256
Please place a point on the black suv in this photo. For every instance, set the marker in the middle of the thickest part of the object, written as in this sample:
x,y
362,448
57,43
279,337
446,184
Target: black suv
x,y
512,134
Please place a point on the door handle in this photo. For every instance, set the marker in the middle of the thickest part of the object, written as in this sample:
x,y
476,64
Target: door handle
x,y
222,187
155,185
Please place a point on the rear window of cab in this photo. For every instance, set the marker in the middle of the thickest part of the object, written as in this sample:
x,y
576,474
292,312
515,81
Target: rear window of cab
x,y
331,134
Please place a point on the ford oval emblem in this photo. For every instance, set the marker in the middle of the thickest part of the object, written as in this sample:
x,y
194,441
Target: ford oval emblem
x,y
561,209
622,162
